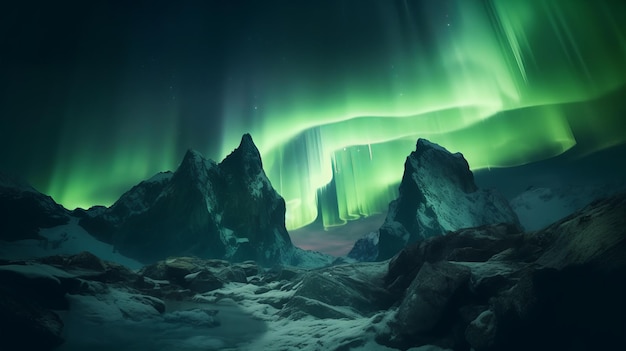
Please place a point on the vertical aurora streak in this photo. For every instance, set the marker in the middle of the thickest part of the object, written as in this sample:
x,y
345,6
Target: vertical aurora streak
x,y
506,82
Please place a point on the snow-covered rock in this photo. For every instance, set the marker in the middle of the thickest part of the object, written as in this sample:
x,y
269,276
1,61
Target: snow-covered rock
x,y
437,194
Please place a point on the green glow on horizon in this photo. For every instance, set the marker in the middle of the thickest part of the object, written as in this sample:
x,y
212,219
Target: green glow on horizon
x,y
508,83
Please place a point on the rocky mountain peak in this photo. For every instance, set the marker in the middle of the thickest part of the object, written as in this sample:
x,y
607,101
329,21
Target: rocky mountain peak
x,y
440,163
194,164
227,211
437,195
247,144
191,157
194,172
245,157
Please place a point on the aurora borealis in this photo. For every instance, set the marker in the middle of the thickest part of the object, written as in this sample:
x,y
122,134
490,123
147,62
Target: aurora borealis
x,y
97,96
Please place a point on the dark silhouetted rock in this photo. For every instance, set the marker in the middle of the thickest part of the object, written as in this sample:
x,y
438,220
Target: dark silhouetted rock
x,y
466,245
203,281
25,210
481,332
428,297
43,284
26,325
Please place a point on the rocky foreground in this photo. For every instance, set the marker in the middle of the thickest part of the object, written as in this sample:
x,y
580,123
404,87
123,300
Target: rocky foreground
x,y
484,288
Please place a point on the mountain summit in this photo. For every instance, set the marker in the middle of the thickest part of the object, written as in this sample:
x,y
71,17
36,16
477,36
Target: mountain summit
x,y
246,155
437,195
228,210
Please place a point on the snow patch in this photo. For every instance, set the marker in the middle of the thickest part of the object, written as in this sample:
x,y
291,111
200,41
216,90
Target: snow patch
x,y
67,239
257,185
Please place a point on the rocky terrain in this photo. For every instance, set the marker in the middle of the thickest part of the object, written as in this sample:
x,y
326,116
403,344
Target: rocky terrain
x,y
485,288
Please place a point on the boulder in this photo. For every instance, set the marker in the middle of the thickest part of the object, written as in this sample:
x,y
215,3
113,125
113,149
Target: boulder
x,y
430,297
481,332
203,281
42,284
466,245
250,268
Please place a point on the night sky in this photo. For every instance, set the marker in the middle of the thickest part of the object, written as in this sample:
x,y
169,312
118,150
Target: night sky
x,y
96,96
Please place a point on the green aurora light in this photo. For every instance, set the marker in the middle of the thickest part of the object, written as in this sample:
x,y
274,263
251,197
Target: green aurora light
x,y
507,82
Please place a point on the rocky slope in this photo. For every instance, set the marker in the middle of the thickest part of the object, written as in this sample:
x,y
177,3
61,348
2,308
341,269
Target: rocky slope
x,y
486,288
437,194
